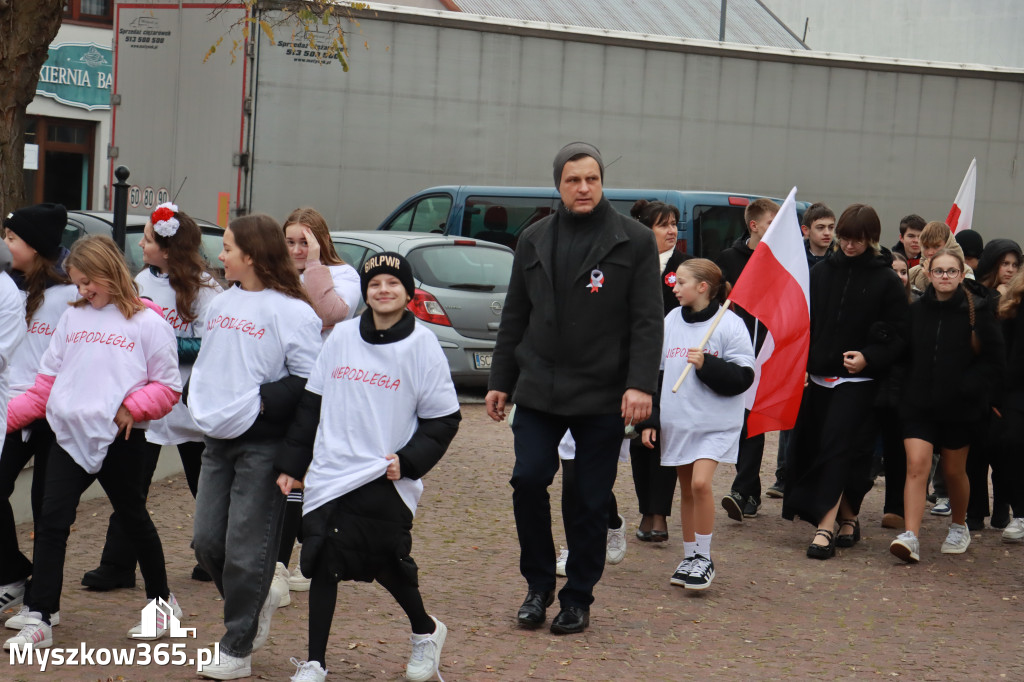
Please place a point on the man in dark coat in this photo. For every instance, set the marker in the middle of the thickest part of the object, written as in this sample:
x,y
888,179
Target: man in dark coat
x,y
578,349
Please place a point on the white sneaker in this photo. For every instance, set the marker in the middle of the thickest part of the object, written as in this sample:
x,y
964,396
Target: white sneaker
x,y
942,507
263,625
425,660
23,617
957,540
563,558
1014,531
617,543
162,622
228,667
280,584
906,547
307,671
298,582
12,595
36,634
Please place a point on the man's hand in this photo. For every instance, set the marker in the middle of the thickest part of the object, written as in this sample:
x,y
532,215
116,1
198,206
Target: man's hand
x,y
124,420
394,471
636,406
495,402
285,483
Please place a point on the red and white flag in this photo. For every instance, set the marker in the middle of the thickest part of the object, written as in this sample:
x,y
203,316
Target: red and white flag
x,y
775,288
961,216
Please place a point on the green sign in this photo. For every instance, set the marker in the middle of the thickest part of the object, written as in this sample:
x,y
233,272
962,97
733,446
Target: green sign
x,y
77,74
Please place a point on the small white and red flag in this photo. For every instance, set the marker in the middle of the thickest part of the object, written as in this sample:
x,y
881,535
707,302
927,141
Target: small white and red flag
x,y
775,288
961,216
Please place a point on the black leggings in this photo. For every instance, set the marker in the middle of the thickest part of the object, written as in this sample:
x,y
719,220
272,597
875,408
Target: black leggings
x,y
397,579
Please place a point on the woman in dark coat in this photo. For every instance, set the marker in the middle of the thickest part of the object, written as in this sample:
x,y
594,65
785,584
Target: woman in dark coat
x,y
656,485
1012,405
956,356
858,311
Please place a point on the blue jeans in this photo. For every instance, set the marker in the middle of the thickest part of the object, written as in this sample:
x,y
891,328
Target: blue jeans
x,y
598,439
239,516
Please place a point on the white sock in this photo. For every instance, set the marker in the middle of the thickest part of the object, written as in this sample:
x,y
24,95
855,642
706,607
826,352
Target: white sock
x,y
703,544
689,549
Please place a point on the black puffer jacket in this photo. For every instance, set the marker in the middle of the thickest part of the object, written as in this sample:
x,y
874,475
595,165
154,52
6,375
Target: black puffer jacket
x,y
732,261
857,304
947,380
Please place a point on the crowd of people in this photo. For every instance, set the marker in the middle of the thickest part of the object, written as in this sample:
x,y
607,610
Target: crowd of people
x,y
613,345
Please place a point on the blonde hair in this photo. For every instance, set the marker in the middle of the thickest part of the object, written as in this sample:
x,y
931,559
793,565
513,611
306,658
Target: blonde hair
x,y
98,258
317,224
935,234
1009,303
704,270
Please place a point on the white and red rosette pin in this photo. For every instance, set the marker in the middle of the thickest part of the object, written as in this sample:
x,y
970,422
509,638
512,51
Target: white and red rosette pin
x,y
164,222
596,280
670,279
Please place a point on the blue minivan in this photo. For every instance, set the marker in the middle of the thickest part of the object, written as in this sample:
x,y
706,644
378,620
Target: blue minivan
x,y
708,221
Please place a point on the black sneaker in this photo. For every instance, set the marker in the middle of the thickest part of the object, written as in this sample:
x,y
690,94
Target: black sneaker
x,y
776,492
751,507
702,572
682,572
733,505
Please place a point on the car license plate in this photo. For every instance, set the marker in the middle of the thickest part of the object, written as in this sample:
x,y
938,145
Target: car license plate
x,y
482,360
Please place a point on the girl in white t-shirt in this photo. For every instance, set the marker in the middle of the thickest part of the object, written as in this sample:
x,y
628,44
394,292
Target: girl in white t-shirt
x,y
177,281
32,235
700,425
110,368
378,413
260,342
333,288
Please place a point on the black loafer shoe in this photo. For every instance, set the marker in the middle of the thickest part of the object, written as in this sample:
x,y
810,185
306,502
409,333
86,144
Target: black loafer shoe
x,y
532,612
107,577
644,535
659,535
570,620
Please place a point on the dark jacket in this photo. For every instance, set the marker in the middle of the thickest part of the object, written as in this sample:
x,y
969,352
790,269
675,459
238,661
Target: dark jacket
x,y
992,256
948,381
900,249
732,261
668,280
604,341
812,260
857,304
1013,336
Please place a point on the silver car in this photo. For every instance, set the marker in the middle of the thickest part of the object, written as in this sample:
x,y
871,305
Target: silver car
x,y
460,290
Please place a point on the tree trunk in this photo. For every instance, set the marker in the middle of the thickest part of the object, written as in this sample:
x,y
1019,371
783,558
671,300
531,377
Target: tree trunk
x,y
27,27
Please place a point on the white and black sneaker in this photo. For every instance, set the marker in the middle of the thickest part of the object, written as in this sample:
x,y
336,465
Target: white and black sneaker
x,y
682,572
12,595
702,572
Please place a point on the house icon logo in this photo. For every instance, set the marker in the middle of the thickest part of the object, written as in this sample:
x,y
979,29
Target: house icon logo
x,y
158,615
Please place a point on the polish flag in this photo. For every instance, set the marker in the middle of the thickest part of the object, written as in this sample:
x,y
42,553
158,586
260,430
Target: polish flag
x,y
775,288
961,216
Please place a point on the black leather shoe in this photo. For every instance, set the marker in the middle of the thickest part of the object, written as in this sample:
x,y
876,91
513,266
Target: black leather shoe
x,y
532,612
107,577
198,573
570,620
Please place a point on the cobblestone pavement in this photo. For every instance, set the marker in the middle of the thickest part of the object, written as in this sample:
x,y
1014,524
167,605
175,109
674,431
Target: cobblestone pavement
x,y
771,613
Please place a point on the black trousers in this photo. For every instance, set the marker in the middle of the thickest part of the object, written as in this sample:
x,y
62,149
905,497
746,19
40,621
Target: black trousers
x,y
655,485
894,458
14,565
748,463
989,450
118,550
1010,438
598,438
121,476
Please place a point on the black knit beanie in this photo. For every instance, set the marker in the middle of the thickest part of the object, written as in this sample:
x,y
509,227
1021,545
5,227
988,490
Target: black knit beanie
x,y
387,263
40,226
572,149
970,243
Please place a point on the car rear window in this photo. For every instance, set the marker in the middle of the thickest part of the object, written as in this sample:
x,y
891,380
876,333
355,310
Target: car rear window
x,y
467,268
717,227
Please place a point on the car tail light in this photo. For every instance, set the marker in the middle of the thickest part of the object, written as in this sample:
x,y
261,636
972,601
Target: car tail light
x,y
424,306
739,201
465,242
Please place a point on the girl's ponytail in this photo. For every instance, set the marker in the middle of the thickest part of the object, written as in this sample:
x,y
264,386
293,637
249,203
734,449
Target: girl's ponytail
x,y
704,270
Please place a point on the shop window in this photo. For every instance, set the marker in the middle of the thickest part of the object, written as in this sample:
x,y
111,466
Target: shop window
x,y
90,11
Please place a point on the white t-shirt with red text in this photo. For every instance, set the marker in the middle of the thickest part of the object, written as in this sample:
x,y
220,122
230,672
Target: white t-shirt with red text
x,y
251,338
373,396
98,358
12,333
25,362
696,422
178,426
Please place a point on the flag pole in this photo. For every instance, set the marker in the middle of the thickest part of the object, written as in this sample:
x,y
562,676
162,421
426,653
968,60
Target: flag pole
x,y
704,342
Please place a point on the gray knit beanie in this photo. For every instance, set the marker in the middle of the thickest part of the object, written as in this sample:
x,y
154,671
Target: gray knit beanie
x,y
572,149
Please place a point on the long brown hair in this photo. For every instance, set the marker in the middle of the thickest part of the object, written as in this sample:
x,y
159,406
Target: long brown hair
x,y
1009,303
314,220
41,274
98,258
704,270
186,269
262,239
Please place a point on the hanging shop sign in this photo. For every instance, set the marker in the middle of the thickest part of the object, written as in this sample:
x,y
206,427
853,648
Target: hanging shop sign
x,y
77,74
